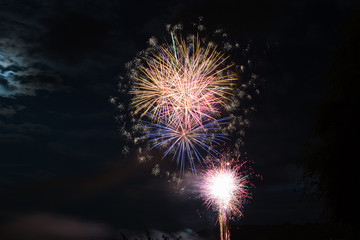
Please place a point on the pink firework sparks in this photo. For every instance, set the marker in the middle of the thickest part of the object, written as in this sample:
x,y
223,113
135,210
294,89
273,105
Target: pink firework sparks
x,y
225,187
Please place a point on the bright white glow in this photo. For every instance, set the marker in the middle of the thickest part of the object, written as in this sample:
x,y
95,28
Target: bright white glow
x,y
222,187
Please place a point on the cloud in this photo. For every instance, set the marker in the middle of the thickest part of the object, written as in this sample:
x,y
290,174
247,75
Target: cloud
x,y
70,43
68,150
24,128
22,73
20,133
28,82
14,138
9,111
71,36
44,226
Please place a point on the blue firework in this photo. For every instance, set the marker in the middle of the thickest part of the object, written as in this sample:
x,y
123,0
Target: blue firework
x,y
191,140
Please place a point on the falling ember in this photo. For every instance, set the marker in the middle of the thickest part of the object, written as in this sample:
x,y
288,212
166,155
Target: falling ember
x,y
225,188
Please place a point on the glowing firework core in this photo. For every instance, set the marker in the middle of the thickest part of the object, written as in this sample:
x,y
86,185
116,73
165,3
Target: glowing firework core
x,y
183,132
222,187
225,187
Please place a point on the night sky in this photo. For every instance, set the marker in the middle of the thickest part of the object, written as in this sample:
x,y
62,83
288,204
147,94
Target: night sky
x,y
62,168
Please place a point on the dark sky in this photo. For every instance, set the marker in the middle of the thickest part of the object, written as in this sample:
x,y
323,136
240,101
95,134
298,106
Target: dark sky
x,y
61,162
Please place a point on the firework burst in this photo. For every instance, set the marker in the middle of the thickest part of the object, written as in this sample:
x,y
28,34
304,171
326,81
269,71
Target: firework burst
x,y
186,99
225,188
177,87
182,81
181,89
186,140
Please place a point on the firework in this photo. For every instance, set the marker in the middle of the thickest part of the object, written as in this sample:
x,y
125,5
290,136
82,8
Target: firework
x,y
181,89
182,81
225,187
186,140
177,87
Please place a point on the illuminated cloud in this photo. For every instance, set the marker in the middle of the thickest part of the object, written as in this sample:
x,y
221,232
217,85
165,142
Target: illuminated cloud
x,y
28,81
21,72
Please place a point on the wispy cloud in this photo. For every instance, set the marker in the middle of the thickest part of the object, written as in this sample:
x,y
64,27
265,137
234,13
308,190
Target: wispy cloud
x,y
24,128
22,73
14,138
28,81
9,111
